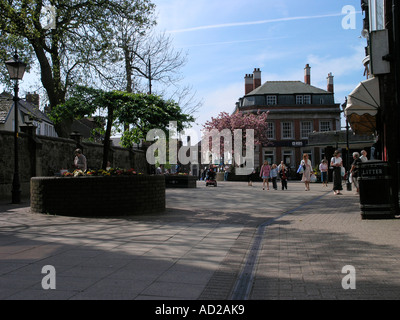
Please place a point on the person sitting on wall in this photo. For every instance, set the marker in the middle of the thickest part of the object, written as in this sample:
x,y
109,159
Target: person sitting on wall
x,y
80,162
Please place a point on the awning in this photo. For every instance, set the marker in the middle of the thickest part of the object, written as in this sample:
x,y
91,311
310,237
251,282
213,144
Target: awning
x,y
362,106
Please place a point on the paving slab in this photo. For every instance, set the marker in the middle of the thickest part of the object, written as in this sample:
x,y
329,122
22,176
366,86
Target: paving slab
x,y
200,246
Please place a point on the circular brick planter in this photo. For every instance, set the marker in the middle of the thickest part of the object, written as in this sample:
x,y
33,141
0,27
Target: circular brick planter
x,y
98,196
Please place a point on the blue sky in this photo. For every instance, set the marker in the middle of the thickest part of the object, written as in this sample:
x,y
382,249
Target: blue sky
x,y
227,39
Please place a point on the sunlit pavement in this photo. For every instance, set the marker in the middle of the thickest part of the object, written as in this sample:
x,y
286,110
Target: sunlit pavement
x,y
227,242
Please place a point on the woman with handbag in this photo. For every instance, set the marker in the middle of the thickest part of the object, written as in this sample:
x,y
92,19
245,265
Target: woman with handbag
x,y
337,164
307,167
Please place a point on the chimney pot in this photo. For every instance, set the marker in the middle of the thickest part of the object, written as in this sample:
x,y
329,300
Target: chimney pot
x,y
330,82
248,83
307,74
256,78
33,98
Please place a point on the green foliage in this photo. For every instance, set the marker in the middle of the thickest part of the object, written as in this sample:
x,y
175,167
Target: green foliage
x,y
83,102
143,112
72,51
8,45
146,112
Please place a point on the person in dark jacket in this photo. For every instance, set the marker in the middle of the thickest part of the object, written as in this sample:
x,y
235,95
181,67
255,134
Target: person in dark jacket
x,y
283,174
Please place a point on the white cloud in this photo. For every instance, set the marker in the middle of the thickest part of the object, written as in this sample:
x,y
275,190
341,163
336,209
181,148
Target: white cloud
x,y
221,99
249,23
339,66
232,42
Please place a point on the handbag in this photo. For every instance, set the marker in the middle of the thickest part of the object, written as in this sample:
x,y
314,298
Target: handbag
x,y
300,169
313,178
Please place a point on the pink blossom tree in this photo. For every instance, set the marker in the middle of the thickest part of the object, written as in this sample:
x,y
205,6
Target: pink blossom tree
x,y
243,121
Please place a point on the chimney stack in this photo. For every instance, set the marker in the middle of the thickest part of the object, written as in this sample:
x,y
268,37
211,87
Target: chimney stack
x,y
252,81
248,83
330,82
307,74
256,78
33,98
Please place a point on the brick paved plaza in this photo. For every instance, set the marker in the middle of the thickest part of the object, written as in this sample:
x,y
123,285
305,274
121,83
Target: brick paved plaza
x,y
228,242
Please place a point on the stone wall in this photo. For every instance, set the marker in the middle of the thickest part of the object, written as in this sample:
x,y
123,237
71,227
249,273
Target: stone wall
x,y
98,196
41,156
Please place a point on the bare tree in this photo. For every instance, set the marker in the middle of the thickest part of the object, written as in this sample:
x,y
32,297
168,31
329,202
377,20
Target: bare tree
x,y
186,98
150,57
156,61
151,64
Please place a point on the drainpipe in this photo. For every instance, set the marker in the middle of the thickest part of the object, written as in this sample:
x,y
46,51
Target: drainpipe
x,y
396,44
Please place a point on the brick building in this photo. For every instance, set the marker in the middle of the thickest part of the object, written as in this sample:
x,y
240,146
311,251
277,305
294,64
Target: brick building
x,y
296,109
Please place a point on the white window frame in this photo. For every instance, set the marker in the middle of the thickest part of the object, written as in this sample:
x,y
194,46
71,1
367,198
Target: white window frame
x,y
270,153
307,99
271,130
284,137
299,99
321,122
271,100
305,133
290,153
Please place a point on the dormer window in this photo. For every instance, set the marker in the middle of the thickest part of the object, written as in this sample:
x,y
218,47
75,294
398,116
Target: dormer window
x,y
299,99
271,100
303,99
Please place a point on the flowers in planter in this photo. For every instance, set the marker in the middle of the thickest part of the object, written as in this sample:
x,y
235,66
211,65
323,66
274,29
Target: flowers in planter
x,y
78,173
91,173
101,173
178,174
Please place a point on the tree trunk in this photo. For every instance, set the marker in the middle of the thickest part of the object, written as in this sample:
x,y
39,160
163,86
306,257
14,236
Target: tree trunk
x,y
53,87
128,74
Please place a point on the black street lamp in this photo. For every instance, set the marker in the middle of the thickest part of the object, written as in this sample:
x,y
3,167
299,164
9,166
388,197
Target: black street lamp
x,y
16,69
347,162
344,105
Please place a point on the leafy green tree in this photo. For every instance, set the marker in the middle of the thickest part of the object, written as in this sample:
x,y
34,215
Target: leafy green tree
x,y
146,112
143,112
74,48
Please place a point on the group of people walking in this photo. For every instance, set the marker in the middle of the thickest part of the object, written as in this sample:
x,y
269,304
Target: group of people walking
x,y
272,172
339,171
354,171
336,164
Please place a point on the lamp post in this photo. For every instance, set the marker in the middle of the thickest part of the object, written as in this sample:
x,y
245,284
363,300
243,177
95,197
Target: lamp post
x,y
344,105
16,69
347,162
